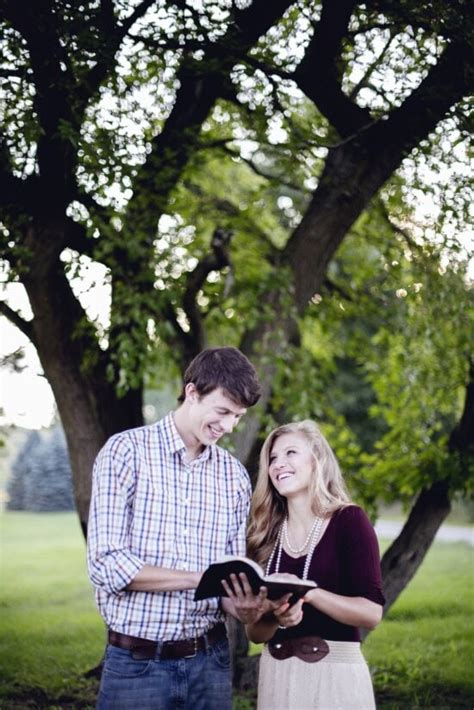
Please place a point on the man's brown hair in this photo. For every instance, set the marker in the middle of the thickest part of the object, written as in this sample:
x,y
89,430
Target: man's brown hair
x,y
226,368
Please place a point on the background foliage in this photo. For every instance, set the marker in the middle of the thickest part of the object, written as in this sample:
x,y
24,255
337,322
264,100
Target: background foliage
x,y
40,479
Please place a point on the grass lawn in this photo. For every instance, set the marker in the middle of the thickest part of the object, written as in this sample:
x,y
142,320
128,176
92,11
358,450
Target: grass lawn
x,y
50,631
421,656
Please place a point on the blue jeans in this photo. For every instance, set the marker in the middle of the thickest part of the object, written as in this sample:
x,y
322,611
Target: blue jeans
x,y
202,682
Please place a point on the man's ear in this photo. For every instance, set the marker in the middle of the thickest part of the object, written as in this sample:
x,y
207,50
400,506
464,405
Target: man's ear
x,y
191,393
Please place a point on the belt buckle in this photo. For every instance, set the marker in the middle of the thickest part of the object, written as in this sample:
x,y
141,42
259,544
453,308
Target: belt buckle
x,y
191,655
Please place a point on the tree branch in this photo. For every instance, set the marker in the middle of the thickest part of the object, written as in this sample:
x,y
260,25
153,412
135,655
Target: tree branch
x,y
54,103
364,81
462,436
318,75
76,238
446,83
261,173
112,35
200,84
216,261
359,166
167,43
15,192
226,207
25,326
139,11
397,229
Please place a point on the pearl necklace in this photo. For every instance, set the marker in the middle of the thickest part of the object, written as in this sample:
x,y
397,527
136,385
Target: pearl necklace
x,y
315,536
314,528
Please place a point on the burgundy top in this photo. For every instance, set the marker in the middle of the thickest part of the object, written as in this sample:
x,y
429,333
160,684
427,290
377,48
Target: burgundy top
x,y
345,561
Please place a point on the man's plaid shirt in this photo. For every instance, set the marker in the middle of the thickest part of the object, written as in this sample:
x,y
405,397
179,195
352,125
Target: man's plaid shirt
x,y
150,507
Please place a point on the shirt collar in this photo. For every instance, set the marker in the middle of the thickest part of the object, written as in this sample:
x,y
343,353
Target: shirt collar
x,y
175,442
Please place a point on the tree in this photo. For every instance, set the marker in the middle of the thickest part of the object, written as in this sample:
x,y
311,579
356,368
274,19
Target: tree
x,y
16,488
143,137
406,387
41,480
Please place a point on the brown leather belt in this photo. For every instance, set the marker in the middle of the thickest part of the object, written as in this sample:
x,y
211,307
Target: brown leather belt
x,y
167,650
307,648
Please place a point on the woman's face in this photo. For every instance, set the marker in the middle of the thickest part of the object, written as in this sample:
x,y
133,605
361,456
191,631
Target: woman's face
x,y
291,464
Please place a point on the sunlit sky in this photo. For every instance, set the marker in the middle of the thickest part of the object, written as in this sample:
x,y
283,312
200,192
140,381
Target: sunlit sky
x,y
26,399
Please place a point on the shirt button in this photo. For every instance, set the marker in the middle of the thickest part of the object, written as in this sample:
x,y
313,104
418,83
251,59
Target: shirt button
x,y
185,531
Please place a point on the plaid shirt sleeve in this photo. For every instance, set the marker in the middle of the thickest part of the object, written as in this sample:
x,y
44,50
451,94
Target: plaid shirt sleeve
x,y
112,566
237,543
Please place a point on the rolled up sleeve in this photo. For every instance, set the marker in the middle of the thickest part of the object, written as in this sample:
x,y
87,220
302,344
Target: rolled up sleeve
x,y
111,563
237,541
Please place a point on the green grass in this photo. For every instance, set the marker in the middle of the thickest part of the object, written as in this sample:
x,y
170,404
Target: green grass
x,y
421,656
50,631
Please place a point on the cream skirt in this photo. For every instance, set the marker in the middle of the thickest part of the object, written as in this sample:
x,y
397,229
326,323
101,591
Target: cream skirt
x,y
339,681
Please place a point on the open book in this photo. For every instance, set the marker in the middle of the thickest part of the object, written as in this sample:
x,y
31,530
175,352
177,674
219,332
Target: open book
x,y
210,584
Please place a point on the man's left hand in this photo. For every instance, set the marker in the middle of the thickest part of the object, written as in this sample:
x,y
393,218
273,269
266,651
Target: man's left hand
x,y
243,603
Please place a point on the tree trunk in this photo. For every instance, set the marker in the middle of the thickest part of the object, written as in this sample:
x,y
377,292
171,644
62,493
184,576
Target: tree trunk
x,y
89,408
244,667
407,552
89,415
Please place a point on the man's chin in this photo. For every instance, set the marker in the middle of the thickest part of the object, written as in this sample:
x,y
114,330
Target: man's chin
x,y
208,439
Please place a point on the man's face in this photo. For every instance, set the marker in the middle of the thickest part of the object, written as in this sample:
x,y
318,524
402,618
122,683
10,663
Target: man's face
x,y
212,415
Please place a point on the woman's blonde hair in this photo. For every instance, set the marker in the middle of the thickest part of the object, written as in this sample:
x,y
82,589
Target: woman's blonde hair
x,y
328,491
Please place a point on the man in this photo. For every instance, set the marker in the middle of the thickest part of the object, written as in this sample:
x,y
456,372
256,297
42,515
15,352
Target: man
x,y
166,503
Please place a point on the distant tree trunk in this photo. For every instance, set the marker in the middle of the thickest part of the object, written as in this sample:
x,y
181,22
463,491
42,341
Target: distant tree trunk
x,y
407,552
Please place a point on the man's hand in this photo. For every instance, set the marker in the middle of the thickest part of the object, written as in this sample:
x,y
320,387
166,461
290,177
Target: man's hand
x,y
243,603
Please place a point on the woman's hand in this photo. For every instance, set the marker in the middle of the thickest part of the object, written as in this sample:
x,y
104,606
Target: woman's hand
x,y
287,615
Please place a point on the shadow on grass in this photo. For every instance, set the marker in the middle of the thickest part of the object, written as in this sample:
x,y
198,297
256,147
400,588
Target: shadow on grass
x,y
429,611
433,698
23,697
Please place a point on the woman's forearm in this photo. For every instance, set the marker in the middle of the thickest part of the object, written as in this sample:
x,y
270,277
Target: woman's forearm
x,y
263,630
353,611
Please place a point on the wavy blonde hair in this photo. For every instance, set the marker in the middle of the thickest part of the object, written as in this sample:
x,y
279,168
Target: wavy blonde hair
x,y
328,491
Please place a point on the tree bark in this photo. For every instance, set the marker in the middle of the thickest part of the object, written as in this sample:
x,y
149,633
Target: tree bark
x,y
405,555
87,403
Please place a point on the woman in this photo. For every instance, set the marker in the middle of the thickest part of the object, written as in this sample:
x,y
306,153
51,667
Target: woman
x,y
303,524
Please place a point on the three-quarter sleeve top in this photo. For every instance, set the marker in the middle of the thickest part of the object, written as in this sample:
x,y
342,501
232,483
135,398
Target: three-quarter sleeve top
x,y
346,561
